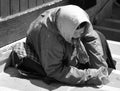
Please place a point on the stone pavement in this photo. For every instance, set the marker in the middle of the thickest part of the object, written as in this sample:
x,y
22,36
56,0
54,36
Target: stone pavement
x,y
10,81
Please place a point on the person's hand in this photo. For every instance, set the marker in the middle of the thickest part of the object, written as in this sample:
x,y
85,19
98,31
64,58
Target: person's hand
x,y
97,76
103,75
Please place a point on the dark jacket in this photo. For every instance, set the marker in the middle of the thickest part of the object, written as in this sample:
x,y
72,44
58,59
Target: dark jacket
x,y
54,52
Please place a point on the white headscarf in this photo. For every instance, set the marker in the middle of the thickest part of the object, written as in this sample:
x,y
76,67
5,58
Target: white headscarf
x,y
69,18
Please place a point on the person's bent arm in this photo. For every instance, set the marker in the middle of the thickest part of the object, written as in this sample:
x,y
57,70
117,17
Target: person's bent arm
x,y
54,67
95,50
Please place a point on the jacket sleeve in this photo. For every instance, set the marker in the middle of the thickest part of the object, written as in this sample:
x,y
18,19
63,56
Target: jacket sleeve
x,y
52,63
95,49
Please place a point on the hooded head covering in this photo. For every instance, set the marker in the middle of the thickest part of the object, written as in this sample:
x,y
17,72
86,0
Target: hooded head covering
x,y
69,18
